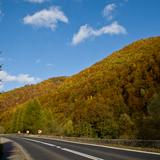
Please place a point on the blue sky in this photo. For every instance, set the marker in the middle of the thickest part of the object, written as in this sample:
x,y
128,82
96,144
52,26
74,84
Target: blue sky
x,y
40,39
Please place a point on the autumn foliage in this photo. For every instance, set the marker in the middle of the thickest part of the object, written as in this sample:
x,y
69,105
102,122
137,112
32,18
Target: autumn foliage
x,y
118,97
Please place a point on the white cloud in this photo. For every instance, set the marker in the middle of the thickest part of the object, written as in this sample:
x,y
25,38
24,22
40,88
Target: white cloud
x,y
86,32
21,78
25,78
47,18
37,1
1,86
108,10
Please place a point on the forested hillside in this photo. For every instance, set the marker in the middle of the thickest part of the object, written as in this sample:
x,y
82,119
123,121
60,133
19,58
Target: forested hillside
x,y
11,99
20,95
118,97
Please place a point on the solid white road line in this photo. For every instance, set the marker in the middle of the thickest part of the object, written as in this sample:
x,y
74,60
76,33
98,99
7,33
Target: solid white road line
x,y
66,149
81,154
105,146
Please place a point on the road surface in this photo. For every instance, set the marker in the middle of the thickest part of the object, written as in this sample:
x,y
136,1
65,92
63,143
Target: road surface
x,y
47,149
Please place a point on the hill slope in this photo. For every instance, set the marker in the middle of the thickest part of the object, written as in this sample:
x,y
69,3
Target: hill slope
x,y
118,97
20,95
11,99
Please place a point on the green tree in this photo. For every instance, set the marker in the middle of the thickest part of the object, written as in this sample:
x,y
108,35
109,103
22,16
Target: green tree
x,y
126,126
34,117
150,128
68,128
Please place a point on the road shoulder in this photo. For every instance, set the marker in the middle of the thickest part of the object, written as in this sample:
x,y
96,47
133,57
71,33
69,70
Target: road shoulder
x,y
13,151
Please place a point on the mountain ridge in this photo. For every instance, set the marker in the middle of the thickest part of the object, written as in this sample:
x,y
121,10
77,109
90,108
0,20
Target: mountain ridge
x,y
114,98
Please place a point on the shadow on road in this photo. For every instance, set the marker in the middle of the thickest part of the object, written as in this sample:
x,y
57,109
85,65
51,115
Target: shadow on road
x,y
8,151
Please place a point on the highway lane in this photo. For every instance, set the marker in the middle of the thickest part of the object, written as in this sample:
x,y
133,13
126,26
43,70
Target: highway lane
x,y
49,149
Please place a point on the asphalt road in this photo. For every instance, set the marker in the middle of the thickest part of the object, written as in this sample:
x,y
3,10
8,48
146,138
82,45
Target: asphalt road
x,y
47,149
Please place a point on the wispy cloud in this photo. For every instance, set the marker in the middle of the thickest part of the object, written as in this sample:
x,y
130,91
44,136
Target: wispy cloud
x,y
37,1
49,64
38,61
1,85
108,10
21,78
86,32
1,13
47,18
2,59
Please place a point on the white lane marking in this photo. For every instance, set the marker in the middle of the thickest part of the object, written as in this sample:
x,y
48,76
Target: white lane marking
x,y
96,145
81,154
52,145
66,149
